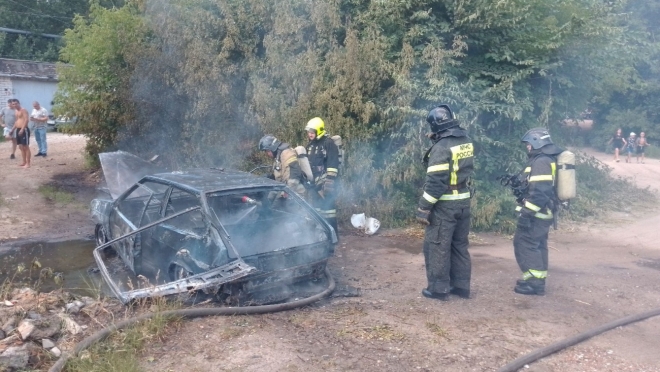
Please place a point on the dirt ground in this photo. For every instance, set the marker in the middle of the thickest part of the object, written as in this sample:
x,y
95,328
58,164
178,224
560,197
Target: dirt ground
x,y
599,272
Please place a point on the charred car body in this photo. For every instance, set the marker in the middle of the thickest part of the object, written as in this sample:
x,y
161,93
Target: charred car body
x,y
227,233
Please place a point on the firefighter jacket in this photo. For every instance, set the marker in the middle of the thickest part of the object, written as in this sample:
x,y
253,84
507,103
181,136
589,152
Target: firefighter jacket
x,y
323,157
540,173
450,163
286,169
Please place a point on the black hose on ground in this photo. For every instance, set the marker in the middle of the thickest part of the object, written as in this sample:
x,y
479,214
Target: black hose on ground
x,y
568,342
193,313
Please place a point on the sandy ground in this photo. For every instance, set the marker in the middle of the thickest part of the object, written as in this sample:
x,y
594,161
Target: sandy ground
x,y
25,213
599,272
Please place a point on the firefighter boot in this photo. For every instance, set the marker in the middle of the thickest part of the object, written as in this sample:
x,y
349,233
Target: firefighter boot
x,y
438,296
460,292
531,286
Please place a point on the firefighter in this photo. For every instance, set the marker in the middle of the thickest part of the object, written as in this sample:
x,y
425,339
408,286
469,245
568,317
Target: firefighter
x,y
530,242
323,156
445,207
285,168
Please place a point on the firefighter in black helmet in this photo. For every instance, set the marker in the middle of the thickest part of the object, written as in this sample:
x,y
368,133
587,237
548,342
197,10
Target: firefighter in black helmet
x,y
285,168
323,157
445,206
530,242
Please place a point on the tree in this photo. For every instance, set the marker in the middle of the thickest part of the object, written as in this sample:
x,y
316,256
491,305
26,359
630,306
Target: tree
x,y
37,17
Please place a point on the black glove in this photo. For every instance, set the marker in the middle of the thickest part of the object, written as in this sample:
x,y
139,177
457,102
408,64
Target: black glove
x,y
329,186
422,216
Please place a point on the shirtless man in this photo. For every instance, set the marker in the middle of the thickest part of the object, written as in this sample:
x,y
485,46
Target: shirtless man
x,y
22,133
641,144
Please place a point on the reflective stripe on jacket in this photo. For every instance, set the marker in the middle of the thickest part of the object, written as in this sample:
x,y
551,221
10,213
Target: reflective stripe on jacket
x,y
540,172
450,163
323,157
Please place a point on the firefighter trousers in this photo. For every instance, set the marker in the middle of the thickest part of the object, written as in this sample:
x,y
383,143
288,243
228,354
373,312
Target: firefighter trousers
x,y
326,205
446,246
530,245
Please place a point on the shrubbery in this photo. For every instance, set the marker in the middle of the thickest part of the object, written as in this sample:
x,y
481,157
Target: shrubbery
x,y
199,82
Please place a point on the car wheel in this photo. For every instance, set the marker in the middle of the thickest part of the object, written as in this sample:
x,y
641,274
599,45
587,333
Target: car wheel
x,y
101,236
178,272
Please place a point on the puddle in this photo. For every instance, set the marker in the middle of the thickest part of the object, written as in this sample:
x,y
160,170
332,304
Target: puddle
x,y
72,258
652,263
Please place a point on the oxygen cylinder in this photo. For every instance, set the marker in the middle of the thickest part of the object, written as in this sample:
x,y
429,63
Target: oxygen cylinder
x,y
566,182
304,163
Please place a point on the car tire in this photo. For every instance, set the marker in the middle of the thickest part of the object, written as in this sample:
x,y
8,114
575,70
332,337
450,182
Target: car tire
x,y
101,237
178,272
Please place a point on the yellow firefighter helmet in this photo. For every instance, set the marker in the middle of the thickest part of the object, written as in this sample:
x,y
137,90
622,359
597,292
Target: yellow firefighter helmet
x,y
316,125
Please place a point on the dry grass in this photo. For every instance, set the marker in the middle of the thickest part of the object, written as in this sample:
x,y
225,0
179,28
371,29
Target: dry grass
x,y
121,351
437,330
381,332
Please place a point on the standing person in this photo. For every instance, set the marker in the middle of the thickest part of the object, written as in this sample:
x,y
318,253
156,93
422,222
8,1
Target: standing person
x,y
22,133
445,207
631,147
285,168
323,157
8,115
39,117
641,144
618,142
530,242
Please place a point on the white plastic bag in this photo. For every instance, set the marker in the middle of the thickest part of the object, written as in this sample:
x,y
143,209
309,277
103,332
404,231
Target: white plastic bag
x,y
372,226
359,221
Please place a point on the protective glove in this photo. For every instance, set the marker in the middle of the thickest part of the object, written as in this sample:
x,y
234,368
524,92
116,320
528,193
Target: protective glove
x,y
328,186
422,216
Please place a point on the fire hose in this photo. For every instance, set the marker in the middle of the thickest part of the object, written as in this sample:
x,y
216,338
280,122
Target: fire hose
x,y
568,342
192,313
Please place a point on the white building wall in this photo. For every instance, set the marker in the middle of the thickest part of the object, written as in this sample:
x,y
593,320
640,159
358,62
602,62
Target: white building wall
x,y
28,91
5,91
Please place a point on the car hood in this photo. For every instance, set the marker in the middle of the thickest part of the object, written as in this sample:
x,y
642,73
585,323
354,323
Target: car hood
x,y
122,170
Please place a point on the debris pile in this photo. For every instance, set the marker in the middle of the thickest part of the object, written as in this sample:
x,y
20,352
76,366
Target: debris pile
x,y
35,325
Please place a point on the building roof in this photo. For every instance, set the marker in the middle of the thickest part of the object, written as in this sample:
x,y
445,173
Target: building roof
x,y
15,68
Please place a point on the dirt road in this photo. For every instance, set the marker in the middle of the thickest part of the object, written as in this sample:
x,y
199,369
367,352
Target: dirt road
x,y
599,272
25,213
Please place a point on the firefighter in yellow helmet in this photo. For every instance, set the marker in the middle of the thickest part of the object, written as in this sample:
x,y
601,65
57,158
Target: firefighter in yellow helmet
x,y
323,157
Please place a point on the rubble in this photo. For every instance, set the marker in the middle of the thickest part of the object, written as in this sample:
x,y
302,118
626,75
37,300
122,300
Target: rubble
x,y
16,357
25,329
47,344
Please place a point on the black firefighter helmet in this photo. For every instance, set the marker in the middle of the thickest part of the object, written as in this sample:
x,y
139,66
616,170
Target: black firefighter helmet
x,y
537,138
441,118
269,142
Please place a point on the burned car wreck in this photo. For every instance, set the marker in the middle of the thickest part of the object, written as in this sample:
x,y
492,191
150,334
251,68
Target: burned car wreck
x,y
228,234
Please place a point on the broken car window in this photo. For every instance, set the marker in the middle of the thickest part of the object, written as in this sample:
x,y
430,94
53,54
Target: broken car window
x,y
265,221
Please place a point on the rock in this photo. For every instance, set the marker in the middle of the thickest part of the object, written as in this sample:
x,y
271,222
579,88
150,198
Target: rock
x,y
33,315
8,303
71,308
56,352
16,357
88,301
79,303
47,344
9,325
46,327
25,329
70,325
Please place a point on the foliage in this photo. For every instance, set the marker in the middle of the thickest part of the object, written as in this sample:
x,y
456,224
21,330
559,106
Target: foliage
x,y
49,17
211,76
94,85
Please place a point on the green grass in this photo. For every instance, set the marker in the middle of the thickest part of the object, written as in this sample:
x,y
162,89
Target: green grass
x,y
121,351
55,195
